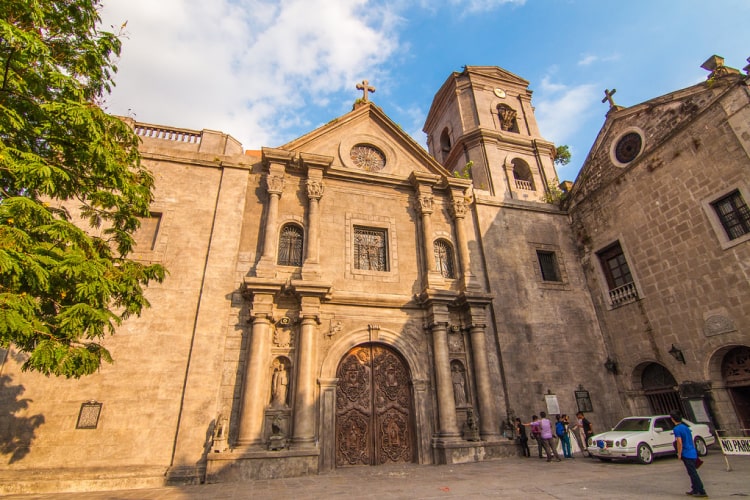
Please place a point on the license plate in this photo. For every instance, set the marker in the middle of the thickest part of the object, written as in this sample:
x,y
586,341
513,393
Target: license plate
x,y
604,451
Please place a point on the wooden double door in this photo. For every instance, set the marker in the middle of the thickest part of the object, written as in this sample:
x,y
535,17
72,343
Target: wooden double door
x,y
373,408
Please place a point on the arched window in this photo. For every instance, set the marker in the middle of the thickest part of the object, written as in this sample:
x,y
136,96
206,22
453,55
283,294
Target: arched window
x,y
445,141
507,117
290,245
444,259
522,175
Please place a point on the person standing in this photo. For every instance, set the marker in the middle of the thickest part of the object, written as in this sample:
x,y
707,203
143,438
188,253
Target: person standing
x,y
561,429
536,432
686,451
583,431
523,439
548,441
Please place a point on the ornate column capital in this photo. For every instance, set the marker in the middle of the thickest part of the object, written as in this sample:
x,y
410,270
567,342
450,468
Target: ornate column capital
x,y
275,183
458,208
314,189
426,202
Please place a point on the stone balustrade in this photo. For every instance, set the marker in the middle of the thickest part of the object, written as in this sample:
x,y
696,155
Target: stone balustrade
x,y
623,294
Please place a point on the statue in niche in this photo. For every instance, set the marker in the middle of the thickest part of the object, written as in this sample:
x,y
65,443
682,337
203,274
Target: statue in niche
x,y
279,385
277,440
459,385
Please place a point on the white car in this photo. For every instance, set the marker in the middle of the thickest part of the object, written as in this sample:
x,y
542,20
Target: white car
x,y
643,438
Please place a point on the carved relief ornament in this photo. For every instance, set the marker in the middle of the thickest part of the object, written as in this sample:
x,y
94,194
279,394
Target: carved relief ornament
x,y
275,183
426,203
314,189
458,208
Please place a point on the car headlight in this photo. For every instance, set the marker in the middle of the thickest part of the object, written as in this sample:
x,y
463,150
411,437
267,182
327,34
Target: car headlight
x,y
624,443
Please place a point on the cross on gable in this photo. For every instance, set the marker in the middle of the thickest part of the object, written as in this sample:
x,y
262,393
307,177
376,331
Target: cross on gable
x,y
608,97
365,88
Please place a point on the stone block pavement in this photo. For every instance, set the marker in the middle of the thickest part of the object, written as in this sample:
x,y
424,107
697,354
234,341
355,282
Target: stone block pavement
x,y
521,478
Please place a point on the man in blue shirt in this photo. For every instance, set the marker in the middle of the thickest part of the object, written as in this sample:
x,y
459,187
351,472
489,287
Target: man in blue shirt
x,y
683,439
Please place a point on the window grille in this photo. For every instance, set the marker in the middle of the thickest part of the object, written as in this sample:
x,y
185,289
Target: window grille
x,y
290,245
370,249
733,214
444,259
548,265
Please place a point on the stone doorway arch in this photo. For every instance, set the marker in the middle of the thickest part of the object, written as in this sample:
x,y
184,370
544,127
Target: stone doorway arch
x,y
374,408
735,373
660,388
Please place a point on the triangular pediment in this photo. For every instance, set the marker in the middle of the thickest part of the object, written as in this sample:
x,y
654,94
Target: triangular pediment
x,y
633,137
366,142
497,74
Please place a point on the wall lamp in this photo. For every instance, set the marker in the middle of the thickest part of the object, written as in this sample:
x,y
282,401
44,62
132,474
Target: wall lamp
x,y
611,366
676,353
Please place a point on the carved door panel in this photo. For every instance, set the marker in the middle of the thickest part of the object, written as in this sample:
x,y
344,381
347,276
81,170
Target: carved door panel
x,y
373,408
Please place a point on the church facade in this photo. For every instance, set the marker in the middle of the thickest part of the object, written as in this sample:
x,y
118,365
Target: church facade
x,y
351,299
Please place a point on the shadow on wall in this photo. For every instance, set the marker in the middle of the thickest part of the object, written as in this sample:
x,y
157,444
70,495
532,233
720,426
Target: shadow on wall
x,y
16,433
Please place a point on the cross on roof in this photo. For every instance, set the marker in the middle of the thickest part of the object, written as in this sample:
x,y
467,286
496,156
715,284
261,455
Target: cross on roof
x,y
608,97
365,88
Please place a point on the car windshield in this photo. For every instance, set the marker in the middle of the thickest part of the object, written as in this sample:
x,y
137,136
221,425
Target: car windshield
x,y
633,424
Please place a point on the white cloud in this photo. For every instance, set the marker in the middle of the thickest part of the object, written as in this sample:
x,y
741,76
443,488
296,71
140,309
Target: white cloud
x,y
246,67
562,110
472,6
587,59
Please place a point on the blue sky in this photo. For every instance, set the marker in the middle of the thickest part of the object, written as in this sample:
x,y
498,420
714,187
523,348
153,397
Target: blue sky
x,y
269,71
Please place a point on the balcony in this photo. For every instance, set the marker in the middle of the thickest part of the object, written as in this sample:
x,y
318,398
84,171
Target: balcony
x,y
622,295
524,185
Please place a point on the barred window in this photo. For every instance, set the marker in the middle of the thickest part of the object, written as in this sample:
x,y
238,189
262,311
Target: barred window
x,y
733,214
548,265
444,259
370,249
290,245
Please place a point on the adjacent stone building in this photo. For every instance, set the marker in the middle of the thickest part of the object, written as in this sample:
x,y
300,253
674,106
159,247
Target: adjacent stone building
x,y
660,217
350,299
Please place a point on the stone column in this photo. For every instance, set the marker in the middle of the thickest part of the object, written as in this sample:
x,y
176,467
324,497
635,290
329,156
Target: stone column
x,y
254,387
275,185
315,166
488,425
311,266
275,163
446,402
304,401
423,185
425,205
458,211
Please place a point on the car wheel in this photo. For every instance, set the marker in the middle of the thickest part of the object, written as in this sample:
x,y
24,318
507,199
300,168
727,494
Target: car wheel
x,y
644,454
700,447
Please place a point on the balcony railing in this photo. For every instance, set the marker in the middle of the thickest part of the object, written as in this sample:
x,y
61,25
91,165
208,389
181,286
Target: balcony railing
x,y
525,185
623,294
168,134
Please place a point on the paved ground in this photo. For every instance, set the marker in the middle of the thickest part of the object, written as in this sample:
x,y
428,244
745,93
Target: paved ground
x,y
509,478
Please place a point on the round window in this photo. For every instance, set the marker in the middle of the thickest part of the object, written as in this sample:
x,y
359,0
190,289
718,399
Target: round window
x,y
628,147
367,157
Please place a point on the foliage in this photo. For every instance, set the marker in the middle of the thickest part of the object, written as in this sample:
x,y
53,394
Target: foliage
x,y
465,172
554,194
562,155
62,158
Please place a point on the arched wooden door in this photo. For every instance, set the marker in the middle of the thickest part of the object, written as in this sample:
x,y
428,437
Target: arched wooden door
x,y
735,369
660,388
373,408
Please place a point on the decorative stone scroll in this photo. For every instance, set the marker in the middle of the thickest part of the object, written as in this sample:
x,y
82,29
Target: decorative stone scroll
x,y
275,184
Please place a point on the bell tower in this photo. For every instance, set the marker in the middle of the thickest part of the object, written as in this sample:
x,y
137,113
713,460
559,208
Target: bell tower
x,y
481,124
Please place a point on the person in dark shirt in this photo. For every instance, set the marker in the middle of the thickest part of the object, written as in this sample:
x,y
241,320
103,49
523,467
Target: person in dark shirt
x,y
523,439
